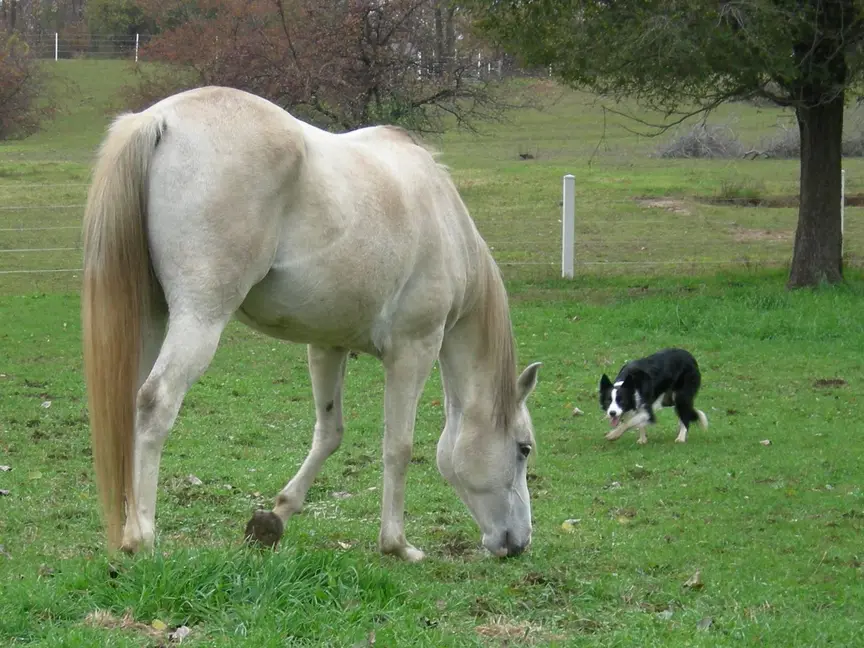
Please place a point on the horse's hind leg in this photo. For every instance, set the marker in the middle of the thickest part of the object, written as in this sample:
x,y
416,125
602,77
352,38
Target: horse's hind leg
x,y
137,531
327,370
185,354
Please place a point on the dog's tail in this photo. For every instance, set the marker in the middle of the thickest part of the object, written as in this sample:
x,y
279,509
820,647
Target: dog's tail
x,y
703,420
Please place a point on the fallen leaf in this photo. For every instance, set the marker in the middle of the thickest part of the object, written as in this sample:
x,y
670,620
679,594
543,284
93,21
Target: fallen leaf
x,y
704,623
623,520
5,468
765,442
341,494
3,552
179,634
46,404
45,570
35,475
568,525
695,581
577,412
192,479
344,545
665,615
158,624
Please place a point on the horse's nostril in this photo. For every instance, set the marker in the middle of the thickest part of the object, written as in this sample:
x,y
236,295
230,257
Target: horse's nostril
x,y
513,549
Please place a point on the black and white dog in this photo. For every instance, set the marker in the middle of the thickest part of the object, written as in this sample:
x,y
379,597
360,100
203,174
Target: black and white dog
x,y
666,378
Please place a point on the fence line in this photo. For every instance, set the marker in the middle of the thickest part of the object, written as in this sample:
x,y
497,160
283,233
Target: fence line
x,y
537,248
23,250
27,207
39,229
32,185
11,272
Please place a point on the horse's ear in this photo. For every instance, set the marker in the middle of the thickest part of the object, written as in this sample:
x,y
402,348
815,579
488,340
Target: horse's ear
x,y
527,381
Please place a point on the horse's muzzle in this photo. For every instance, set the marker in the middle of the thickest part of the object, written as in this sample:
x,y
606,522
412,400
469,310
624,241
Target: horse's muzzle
x,y
509,547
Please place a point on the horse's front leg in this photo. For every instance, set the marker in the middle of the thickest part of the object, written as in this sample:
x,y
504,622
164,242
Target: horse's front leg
x,y
327,370
407,369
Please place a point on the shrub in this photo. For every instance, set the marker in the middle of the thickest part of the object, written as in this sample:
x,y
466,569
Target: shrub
x,y
24,100
704,141
785,145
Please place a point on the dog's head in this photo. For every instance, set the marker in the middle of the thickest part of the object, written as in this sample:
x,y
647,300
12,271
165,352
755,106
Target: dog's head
x,y
617,399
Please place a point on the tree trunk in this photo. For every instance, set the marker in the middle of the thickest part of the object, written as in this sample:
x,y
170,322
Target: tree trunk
x,y
817,255
449,42
439,41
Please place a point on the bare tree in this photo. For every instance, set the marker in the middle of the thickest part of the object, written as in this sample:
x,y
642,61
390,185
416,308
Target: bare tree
x,y
341,64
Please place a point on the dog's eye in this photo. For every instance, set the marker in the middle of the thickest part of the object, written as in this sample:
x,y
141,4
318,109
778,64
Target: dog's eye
x,y
525,449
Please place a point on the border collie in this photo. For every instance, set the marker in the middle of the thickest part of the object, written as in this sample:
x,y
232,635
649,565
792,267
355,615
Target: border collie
x,y
663,379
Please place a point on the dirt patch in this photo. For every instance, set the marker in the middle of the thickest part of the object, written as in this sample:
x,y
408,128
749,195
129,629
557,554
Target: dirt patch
x,y
457,546
829,382
509,632
157,631
852,200
747,235
669,204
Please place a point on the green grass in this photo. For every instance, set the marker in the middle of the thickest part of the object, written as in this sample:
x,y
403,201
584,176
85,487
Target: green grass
x,y
773,530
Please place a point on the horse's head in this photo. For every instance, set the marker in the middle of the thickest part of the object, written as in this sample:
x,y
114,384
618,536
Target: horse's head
x,y
486,460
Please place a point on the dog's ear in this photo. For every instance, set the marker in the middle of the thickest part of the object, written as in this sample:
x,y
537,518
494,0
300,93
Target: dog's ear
x,y
605,383
627,382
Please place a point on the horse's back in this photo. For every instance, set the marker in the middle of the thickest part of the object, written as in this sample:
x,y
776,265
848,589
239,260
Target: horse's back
x,y
336,239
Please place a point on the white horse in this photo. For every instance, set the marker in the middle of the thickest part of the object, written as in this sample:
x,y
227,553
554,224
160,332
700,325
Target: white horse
x,y
215,203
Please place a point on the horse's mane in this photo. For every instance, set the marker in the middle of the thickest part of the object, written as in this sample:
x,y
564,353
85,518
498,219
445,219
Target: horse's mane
x,y
499,345
408,136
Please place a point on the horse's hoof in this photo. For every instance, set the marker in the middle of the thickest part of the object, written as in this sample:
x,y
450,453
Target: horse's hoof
x,y
264,529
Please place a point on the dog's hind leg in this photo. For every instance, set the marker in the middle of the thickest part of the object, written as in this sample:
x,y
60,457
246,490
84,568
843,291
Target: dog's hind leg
x,y
703,420
686,415
643,439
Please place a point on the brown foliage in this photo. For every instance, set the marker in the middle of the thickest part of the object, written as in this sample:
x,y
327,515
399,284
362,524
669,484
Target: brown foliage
x,y
23,104
338,63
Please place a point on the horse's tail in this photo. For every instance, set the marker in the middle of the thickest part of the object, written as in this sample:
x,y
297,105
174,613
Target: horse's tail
x,y
116,296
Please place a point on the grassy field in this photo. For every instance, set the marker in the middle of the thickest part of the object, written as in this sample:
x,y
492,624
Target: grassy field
x,y
773,530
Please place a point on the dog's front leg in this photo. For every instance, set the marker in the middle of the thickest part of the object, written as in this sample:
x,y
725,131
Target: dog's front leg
x,y
617,432
643,439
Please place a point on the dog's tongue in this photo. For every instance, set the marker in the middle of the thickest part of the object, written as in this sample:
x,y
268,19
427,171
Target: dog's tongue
x,y
613,422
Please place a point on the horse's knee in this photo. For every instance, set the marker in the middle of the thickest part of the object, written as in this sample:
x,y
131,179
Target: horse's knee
x,y
397,452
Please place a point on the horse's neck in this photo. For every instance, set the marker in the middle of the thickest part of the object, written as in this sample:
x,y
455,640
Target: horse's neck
x,y
477,356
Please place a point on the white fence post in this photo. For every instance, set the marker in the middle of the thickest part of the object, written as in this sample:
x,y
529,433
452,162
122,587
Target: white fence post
x,y
56,46
136,47
568,226
842,211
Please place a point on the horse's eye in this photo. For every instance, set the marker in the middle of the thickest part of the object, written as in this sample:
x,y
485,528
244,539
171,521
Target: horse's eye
x,y
525,449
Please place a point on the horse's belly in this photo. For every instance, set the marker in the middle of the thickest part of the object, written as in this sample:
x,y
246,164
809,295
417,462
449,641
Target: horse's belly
x,y
294,308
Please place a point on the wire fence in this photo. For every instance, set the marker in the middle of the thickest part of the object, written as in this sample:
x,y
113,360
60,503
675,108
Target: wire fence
x,y
62,46
58,46
41,235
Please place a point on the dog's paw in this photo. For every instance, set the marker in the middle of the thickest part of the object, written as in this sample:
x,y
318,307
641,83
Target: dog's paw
x,y
642,440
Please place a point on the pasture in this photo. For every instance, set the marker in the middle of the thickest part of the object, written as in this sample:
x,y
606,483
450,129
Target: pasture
x,y
772,530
